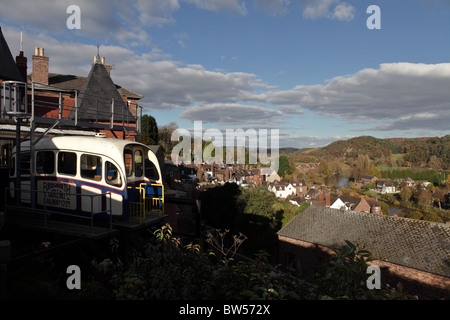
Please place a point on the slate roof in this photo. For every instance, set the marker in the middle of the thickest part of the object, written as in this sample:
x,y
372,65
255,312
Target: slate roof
x,y
8,67
99,88
417,244
72,82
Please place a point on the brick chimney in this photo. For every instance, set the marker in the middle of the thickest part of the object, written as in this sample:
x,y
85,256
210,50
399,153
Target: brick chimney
x,y
40,67
108,68
321,196
101,60
21,62
328,199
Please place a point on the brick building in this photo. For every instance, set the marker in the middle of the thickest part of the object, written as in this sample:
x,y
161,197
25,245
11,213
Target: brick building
x,y
413,252
67,102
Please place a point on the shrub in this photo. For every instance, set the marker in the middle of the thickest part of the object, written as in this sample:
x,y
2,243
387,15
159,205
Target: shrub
x,y
168,270
345,277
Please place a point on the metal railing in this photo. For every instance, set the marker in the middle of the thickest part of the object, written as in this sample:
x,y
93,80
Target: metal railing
x,y
24,204
18,99
141,201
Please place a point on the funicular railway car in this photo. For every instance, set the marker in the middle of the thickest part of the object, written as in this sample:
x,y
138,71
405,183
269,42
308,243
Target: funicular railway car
x,y
85,176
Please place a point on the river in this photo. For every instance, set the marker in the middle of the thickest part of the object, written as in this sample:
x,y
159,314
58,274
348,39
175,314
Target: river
x,y
338,180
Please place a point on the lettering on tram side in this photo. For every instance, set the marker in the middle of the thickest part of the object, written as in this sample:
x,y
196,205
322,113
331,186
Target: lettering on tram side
x,y
57,194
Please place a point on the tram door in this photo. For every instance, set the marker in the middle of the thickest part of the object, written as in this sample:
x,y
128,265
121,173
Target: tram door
x,y
143,196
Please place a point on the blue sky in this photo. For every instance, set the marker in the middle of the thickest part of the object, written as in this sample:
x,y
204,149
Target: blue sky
x,y
311,69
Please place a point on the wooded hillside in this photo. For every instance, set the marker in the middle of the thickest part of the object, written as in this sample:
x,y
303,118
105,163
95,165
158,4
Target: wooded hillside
x,y
433,152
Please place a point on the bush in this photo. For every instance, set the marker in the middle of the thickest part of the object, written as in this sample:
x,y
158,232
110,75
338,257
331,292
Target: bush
x,y
168,270
346,276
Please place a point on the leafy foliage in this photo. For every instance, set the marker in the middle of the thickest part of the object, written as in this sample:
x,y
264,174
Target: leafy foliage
x,y
284,167
345,277
149,130
168,270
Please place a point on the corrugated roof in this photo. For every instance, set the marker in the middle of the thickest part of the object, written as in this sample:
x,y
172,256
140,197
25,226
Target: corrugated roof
x,y
8,67
417,244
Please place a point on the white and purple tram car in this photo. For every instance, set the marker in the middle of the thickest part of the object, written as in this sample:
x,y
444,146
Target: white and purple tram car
x,y
84,175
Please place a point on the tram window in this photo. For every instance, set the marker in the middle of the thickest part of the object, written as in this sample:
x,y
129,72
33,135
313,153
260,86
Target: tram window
x,y
112,175
138,164
5,155
128,159
150,170
45,162
91,167
67,163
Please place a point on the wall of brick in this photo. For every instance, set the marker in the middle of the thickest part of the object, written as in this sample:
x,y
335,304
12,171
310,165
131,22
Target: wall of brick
x,y
40,69
306,259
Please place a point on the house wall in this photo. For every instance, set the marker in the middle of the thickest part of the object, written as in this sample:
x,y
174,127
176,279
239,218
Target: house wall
x,y
307,258
363,206
338,204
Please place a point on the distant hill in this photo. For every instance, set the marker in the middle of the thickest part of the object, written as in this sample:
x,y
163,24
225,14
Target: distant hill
x,y
292,151
413,151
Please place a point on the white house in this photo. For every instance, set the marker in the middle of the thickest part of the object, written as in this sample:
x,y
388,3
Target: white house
x,y
386,187
338,204
283,191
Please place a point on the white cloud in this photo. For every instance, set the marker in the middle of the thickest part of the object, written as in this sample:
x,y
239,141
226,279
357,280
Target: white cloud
x,y
109,21
221,5
392,92
315,9
395,96
273,7
344,12
291,109
231,114
302,141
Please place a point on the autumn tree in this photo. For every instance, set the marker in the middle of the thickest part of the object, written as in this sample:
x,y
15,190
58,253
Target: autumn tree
x,y
324,168
433,217
165,136
435,162
374,171
406,194
424,199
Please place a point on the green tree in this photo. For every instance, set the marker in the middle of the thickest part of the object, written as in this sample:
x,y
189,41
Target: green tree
x,y
149,130
414,215
346,275
284,167
258,201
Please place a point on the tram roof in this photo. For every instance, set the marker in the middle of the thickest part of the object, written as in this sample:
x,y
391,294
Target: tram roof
x,y
98,145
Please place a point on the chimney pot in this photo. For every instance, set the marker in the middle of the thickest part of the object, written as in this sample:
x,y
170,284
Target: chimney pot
x,y
40,66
